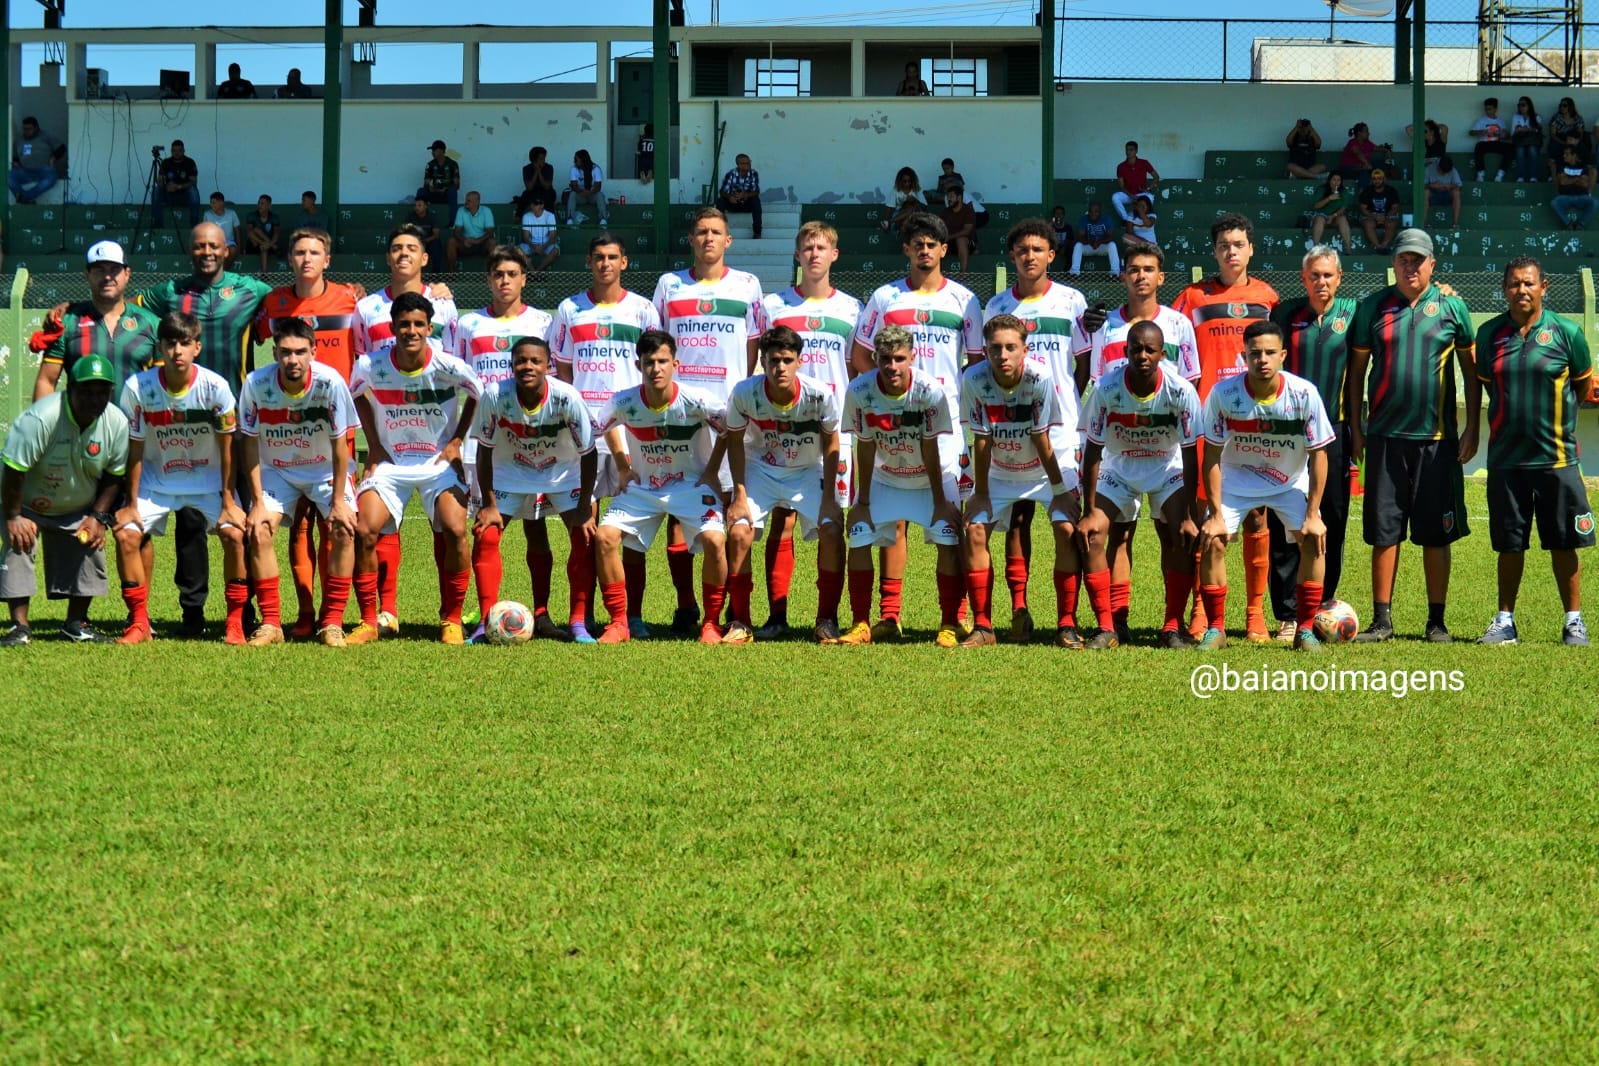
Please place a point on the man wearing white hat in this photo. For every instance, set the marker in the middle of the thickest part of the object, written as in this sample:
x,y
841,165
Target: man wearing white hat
x,y
105,324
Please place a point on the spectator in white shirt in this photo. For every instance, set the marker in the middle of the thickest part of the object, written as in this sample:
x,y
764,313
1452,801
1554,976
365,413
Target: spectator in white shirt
x,y
538,237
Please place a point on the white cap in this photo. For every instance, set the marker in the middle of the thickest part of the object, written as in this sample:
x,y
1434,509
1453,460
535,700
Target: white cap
x,y
106,252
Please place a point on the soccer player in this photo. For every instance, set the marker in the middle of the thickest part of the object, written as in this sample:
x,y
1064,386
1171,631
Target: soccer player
x,y
105,324
825,319
181,422
594,339
296,418
795,436
715,317
1410,334
674,433
1053,315
1143,439
945,322
416,403
374,332
1268,434
1221,307
897,415
1535,364
543,433
1011,408
1316,330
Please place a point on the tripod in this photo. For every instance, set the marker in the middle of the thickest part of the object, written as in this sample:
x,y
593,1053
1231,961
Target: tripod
x,y
142,228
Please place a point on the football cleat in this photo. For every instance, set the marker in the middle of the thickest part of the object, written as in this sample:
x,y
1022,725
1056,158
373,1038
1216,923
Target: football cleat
x,y
265,635
1173,638
135,634
1437,634
981,637
826,632
887,631
16,637
615,633
82,633
451,633
859,633
776,628
1069,637
684,621
949,636
364,633
636,628
710,633
544,628
303,629
739,633
1021,626
332,636
1213,640
1306,640
1104,640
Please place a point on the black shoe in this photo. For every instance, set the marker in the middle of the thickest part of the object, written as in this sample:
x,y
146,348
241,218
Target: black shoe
x,y
1124,634
1375,633
544,628
16,637
1104,640
1437,634
1173,638
252,621
776,628
686,622
193,624
83,633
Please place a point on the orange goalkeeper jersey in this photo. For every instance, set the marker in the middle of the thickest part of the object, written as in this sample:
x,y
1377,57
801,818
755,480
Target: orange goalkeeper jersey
x,y
1220,315
331,313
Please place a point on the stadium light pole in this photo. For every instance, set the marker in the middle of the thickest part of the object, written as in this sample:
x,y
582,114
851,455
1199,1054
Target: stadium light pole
x,y
1046,89
332,108
665,143
1418,113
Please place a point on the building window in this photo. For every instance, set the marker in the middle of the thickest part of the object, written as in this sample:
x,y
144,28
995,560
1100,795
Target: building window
x,y
959,77
777,77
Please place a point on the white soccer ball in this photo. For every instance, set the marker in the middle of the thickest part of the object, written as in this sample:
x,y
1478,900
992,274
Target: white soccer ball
x,y
509,622
1335,623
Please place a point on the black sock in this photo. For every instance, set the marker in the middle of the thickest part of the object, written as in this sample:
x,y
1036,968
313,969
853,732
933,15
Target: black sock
x,y
1435,614
1380,615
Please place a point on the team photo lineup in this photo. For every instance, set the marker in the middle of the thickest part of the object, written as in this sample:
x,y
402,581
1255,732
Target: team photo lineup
x,y
725,422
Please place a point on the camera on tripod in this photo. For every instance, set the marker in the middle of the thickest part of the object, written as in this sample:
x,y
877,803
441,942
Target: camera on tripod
x,y
155,152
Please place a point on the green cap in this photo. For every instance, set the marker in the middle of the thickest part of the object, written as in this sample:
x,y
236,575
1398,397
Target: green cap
x,y
92,368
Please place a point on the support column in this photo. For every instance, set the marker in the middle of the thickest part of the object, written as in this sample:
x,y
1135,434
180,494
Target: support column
x,y
332,109
665,143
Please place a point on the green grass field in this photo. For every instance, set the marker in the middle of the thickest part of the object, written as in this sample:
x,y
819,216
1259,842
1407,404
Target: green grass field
x,y
410,852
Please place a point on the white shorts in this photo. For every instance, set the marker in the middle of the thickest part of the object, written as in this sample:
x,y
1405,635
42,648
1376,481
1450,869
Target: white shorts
x,y
154,509
892,504
1004,495
280,495
394,484
639,512
533,506
797,490
1126,494
1290,505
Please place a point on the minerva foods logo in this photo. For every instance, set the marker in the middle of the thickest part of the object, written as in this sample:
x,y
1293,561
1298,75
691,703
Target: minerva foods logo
x,y
1544,337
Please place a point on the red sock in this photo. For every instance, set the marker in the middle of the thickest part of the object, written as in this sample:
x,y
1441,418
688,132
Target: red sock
x,y
335,597
888,595
980,588
301,567
739,589
367,595
236,593
779,572
1121,596
579,577
266,594
487,566
1308,602
1178,587
715,599
137,597
1098,583
1016,581
388,573
860,595
829,590
951,594
1257,565
614,596
1215,599
681,565
633,573
452,594
541,564
1066,589
441,550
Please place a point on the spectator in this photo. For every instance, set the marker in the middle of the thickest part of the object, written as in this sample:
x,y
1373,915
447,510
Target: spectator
x,y
644,154
1435,137
1135,180
441,180
538,182
1333,206
33,163
311,216
912,84
473,233
741,192
223,217
1493,139
262,232
1141,226
1526,137
948,176
585,186
1443,187
1379,205
1566,129
907,199
1574,191
177,183
1064,237
538,237
236,87
1361,155
1303,144
107,324
961,221
432,237
294,88
1095,236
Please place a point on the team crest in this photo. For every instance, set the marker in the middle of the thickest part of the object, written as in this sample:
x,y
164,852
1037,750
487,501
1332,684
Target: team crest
x,y
709,500
1030,325
1544,336
502,344
128,323
227,293
1430,309
1339,325
1584,523
965,461
706,307
1237,310
1449,521
603,331
94,449
923,317
813,323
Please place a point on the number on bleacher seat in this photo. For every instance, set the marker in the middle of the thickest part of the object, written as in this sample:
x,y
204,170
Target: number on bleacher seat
x,y
875,239
1221,161
1260,160
1482,216
831,216
1526,216
1519,195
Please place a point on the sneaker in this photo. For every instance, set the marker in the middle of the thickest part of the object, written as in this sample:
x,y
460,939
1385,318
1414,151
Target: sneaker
x,y
1286,631
1438,634
1257,636
193,625
1213,640
859,633
826,632
581,634
233,633
1021,626
16,637
686,621
388,624
451,633
266,634
1481,175
544,628
83,633
615,634
1500,176
776,628
1173,638
1375,633
1068,637
635,628
135,634
887,631
1575,634
578,217
365,633
982,637
710,633
948,637
331,636
1499,633
304,628
739,633
1306,640
1104,640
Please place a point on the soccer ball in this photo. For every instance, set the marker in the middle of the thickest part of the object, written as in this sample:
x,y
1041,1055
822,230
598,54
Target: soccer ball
x,y
508,622
1335,623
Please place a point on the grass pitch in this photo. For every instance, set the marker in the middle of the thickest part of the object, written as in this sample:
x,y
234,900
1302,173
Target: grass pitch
x,y
411,852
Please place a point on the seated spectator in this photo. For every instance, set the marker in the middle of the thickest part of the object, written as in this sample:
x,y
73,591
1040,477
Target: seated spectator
x,y
912,84
644,153
236,87
585,185
222,216
1379,207
538,237
1064,237
1361,155
294,88
432,237
262,233
1526,138
907,199
1303,144
1435,136
948,176
1096,235
1566,130
961,221
33,163
1333,205
177,184
538,182
1135,180
441,180
1493,139
1574,191
473,233
1141,227
1443,187
741,192
311,216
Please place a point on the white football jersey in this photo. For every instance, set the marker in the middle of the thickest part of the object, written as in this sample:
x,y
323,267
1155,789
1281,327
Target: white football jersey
x,y
416,411
1266,444
827,327
1142,435
1054,322
947,326
1009,418
898,424
374,321
295,432
712,323
599,343
786,437
484,342
535,449
183,432
670,446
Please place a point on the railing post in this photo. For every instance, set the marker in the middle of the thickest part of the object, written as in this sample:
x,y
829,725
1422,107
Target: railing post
x,y
1224,50
16,338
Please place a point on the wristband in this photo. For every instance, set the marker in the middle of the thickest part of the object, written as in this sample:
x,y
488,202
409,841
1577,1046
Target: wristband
x,y
1058,488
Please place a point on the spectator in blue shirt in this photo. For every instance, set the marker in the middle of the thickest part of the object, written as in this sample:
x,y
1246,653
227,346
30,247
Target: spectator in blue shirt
x,y
1096,235
473,233
741,192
